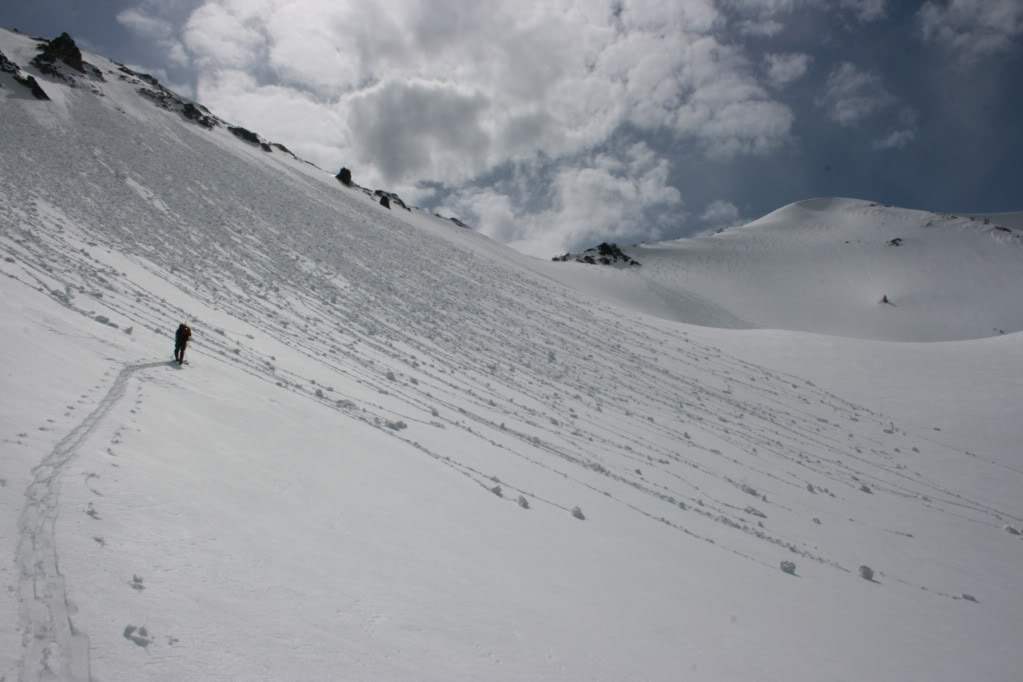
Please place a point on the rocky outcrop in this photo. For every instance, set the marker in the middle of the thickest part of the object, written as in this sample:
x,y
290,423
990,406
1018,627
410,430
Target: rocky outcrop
x,y
392,198
249,136
152,90
284,149
344,176
22,78
195,113
6,65
605,254
244,134
62,50
33,85
456,221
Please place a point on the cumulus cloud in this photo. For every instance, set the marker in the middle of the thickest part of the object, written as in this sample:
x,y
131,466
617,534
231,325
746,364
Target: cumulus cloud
x,y
548,97
222,38
851,95
613,194
152,27
144,24
784,68
973,29
411,128
552,79
720,212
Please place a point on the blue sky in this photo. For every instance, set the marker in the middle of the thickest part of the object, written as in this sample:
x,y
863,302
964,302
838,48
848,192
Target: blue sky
x,y
554,125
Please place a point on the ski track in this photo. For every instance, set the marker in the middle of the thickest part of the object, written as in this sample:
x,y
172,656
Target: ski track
x,y
52,648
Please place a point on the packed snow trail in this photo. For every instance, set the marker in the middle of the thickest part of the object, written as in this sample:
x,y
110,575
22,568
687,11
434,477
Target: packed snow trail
x,y
52,648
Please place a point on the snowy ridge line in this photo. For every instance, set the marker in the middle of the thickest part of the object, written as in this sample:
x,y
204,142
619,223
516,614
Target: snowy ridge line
x,y
52,647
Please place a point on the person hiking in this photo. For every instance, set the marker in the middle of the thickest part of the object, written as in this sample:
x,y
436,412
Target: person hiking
x,y
181,338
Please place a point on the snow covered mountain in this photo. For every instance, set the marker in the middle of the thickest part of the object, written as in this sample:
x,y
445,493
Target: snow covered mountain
x,y
824,265
401,451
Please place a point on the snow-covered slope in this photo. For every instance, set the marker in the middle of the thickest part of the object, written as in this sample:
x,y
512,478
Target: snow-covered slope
x,y
826,265
401,451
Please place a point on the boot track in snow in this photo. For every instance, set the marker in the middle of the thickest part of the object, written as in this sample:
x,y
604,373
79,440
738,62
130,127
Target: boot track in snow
x,y
51,647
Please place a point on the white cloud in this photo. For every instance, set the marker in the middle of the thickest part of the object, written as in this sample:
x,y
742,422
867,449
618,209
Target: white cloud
x,y
144,24
702,90
551,79
972,28
720,212
223,39
785,68
156,29
411,128
603,196
851,95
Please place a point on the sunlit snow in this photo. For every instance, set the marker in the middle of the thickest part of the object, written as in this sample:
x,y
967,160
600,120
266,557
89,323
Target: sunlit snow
x,y
401,451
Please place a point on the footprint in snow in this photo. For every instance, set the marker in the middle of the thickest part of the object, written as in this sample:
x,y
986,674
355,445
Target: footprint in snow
x,y
139,635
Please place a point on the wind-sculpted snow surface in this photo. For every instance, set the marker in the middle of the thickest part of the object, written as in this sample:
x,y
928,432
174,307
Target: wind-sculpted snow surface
x,y
401,451
830,265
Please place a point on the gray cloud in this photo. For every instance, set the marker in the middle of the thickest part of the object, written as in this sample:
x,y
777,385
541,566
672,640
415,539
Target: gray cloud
x,y
972,28
895,139
157,29
407,128
569,74
851,95
613,194
866,10
220,38
144,23
720,214
782,69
